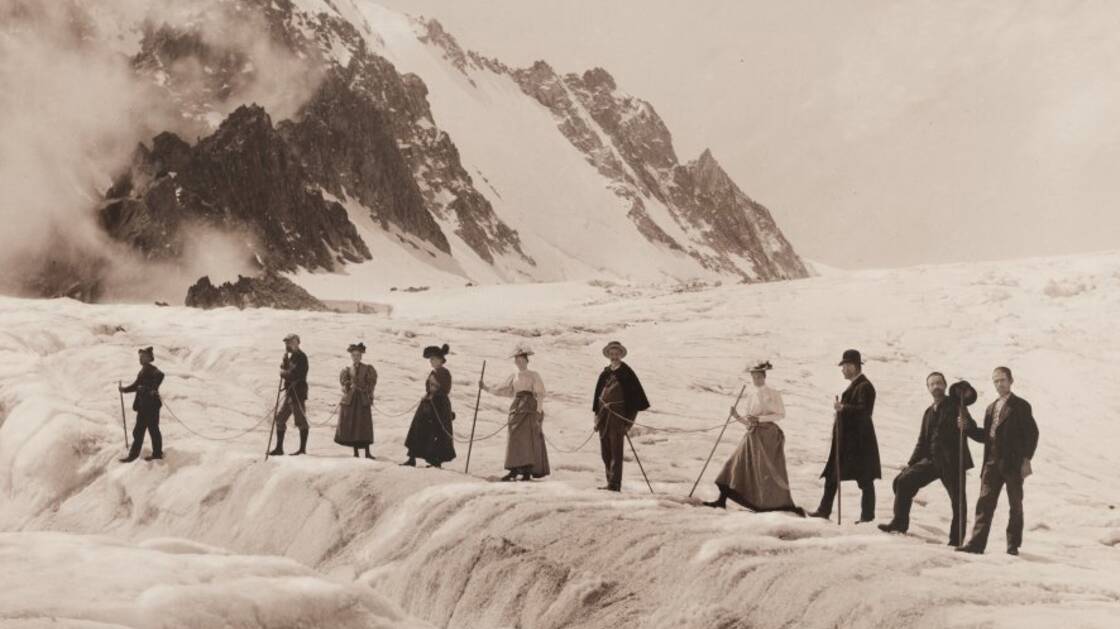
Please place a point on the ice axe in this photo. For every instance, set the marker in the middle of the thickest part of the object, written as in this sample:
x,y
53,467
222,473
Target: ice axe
x,y
124,422
965,395
477,401
272,428
836,469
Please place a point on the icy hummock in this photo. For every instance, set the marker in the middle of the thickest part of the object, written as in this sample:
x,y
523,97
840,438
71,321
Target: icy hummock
x,y
455,550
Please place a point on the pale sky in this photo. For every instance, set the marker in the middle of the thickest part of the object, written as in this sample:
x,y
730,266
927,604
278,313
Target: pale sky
x,y
878,133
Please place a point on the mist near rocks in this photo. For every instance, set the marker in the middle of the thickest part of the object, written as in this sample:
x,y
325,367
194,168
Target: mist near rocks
x,y
75,107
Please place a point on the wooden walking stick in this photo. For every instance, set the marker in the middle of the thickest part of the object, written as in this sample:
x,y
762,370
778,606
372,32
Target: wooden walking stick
x,y
716,444
275,408
124,422
960,477
836,467
477,401
639,462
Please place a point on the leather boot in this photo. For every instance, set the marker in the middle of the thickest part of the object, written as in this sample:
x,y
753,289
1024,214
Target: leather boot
x,y
302,442
279,449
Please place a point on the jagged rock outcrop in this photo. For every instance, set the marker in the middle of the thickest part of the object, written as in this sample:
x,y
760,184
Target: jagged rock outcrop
x,y
267,291
244,180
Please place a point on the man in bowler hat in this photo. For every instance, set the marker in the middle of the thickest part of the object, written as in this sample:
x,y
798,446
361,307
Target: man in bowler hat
x,y
147,405
859,449
936,456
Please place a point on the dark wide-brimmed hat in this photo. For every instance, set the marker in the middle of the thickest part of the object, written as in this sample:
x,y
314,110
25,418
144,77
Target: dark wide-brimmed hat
x,y
614,345
292,337
147,350
851,356
357,347
760,366
432,350
962,391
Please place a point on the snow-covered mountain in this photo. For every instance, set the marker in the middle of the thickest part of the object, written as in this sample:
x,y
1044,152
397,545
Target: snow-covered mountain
x,y
355,148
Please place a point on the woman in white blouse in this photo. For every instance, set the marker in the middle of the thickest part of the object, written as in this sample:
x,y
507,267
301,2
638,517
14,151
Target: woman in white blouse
x,y
755,475
526,455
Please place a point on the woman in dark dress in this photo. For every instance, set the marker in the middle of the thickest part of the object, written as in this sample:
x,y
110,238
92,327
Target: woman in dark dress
x,y
355,416
430,435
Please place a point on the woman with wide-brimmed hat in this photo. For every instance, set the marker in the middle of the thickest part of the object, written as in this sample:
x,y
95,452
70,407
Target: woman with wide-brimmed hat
x,y
355,412
430,437
526,455
755,475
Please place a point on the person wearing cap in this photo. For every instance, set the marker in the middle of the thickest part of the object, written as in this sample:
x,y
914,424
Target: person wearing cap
x,y
526,455
430,436
293,371
618,399
147,405
936,456
859,460
755,475
355,410
1010,437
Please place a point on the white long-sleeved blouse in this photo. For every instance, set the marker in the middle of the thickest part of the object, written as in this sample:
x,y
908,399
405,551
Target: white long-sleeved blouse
x,y
766,404
527,380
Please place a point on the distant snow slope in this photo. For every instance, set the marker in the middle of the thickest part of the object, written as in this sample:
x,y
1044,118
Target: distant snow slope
x,y
457,551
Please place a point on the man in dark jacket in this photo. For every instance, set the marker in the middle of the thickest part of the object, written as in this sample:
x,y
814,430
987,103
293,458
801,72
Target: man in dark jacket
x,y
618,399
293,371
936,457
859,449
1010,436
146,404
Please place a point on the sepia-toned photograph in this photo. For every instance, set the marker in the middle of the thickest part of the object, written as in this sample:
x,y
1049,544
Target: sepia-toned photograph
x,y
547,314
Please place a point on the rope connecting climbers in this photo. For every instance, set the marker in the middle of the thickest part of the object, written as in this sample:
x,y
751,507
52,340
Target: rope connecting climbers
x,y
194,432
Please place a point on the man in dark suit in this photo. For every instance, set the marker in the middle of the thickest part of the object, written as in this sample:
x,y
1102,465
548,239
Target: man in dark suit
x,y
618,399
936,457
146,404
859,448
293,371
1010,436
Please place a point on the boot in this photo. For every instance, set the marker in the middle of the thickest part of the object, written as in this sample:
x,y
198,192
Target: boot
x,y
824,515
526,475
303,432
411,462
355,453
154,457
279,449
716,504
891,527
512,475
369,456
130,458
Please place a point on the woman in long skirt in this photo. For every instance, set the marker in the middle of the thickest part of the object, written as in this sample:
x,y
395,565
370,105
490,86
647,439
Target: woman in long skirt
x,y
355,412
526,454
430,437
755,475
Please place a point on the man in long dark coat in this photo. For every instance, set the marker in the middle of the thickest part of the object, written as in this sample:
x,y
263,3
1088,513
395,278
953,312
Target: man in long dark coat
x,y
147,404
859,449
1010,437
936,456
293,371
619,398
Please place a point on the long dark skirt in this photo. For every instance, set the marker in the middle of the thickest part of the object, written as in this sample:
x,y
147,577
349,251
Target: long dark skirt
x,y
355,426
755,475
429,436
526,447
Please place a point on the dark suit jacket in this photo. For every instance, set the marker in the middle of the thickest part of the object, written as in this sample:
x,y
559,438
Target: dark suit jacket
x,y
1015,439
146,388
939,439
635,395
859,447
294,371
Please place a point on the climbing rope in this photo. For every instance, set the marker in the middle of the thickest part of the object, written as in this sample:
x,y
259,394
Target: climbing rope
x,y
194,432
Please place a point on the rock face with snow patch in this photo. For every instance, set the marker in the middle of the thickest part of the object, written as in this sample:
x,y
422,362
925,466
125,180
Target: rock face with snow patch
x,y
243,179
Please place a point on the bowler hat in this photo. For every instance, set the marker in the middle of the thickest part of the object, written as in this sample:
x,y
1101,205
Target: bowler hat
x,y
292,337
149,351
962,391
851,356
614,345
